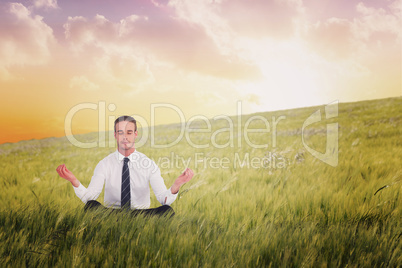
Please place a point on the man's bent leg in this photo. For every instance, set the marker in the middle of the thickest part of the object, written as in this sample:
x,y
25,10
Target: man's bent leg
x,y
92,205
164,210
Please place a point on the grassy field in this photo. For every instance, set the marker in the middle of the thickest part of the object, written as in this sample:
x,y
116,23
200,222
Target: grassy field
x,y
287,208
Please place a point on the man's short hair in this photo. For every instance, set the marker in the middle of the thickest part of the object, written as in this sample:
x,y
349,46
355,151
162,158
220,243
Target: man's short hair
x,y
125,118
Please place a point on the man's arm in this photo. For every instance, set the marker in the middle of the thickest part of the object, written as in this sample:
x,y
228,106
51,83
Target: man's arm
x,y
68,175
95,187
168,196
182,179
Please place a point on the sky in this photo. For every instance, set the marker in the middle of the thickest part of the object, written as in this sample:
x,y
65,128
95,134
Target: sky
x,y
79,64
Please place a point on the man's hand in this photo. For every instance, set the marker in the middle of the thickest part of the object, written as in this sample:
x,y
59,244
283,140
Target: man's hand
x,y
182,179
68,175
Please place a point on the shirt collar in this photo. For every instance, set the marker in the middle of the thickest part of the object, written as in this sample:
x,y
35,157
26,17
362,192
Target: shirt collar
x,y
132,156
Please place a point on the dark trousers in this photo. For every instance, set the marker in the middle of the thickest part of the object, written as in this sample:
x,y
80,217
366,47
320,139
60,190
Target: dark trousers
x,y
164,210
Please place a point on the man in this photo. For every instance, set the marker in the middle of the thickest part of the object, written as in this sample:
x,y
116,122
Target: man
x,y
126,174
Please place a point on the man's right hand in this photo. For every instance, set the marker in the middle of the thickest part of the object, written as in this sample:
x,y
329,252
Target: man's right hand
x,y
68,175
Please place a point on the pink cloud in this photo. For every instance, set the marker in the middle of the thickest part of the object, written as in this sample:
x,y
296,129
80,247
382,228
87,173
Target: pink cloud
x,y
160,35
380,20
339,38
333,38
261,18
25,39
95,32
46,4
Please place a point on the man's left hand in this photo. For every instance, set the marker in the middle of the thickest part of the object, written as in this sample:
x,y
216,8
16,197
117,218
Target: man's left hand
x,y
182,179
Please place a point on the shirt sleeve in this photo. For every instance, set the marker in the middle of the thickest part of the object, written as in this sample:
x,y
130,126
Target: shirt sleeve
x,y
163,195
95,186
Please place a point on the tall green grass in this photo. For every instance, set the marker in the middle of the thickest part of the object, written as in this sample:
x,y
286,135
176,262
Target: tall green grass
x,y
300,212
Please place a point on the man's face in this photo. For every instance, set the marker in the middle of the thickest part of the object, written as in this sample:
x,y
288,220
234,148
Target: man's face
x,y
125,135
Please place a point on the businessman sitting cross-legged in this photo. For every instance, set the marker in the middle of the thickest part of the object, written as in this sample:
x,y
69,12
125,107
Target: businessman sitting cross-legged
x,y
126,174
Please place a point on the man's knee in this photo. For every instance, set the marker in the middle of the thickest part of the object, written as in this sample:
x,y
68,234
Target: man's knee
x,y
166,210
92,204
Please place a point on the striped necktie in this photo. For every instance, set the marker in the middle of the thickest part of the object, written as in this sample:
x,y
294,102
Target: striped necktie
x,y
125,185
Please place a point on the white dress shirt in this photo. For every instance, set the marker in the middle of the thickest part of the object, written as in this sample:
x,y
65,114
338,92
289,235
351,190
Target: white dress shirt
x,y
143,171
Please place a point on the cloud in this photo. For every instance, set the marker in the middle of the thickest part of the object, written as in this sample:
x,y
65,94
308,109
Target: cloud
x,y
110,59
261,18
396,8
25,39
237,27
379,20
160,36
185,45
334,38
81,82
46,4
124,71
338,38
97,32
253,19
